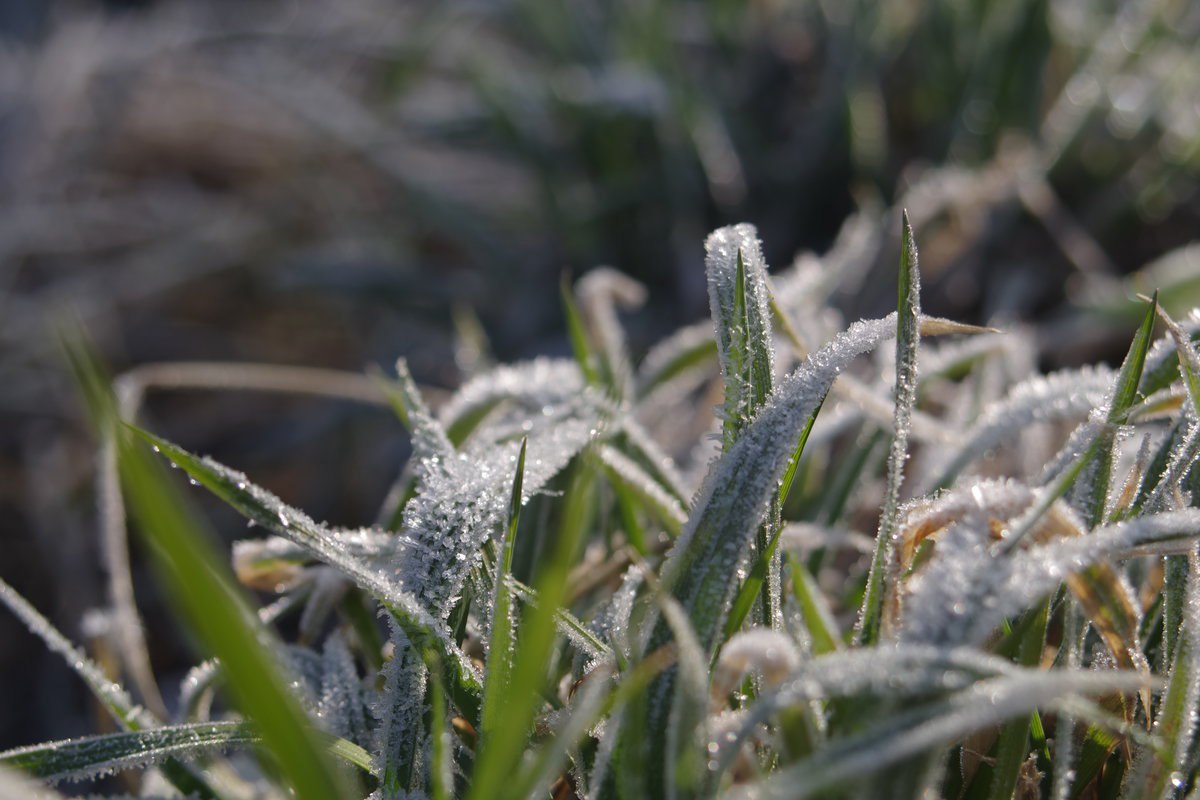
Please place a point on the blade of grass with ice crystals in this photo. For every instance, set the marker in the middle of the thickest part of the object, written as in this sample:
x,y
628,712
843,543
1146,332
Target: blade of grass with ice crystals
x,y
737,293
1096,455
94,756
760,572
430,442
112,696
500,649
1059,395
907,341
739,300
701,571
207,597
535,644
936,724
267,510
1158,773
626,474
1123,398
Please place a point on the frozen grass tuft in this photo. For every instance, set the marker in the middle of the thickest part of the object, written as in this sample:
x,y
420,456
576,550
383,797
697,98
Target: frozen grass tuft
x,y
549,610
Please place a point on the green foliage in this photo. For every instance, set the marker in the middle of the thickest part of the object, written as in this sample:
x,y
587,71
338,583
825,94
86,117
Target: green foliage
x,y
666,636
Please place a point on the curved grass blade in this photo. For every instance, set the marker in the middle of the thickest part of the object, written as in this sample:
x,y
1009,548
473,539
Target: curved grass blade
x,y
577,333
600,292
94,756
1045,398
936,724
112,696
626,474
883,565
206,596
267,510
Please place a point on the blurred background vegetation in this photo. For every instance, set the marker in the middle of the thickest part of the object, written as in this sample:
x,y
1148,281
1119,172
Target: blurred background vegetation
x,y
334,184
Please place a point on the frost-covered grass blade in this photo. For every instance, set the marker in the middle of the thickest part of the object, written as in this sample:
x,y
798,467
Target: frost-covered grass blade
x,y
206,597
908,336
95,756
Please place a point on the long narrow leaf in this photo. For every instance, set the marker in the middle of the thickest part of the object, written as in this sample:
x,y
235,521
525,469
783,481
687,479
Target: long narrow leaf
x,y
883,571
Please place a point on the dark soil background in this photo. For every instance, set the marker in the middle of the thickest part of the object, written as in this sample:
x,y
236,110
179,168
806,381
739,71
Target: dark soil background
x,y
325,184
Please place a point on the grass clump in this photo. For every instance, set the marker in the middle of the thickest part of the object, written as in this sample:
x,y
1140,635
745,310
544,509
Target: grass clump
x,y
585,585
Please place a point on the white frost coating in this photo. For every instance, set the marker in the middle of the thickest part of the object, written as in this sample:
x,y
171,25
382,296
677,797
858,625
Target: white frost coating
x,y
890,670
747,337
530,386
1182,457
966,593
740,484
457,510
601,292
980,706
400,710
662,465
1058,396
341,707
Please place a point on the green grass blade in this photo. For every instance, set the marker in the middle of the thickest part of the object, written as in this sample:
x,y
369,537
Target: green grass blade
x,y
535,644
441,774
907,341
95,756
204,593
497,685
1100,455
1012,746
818,617
738,299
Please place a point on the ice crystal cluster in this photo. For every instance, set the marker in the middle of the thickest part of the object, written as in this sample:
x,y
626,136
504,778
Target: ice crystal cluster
x,y
934,573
